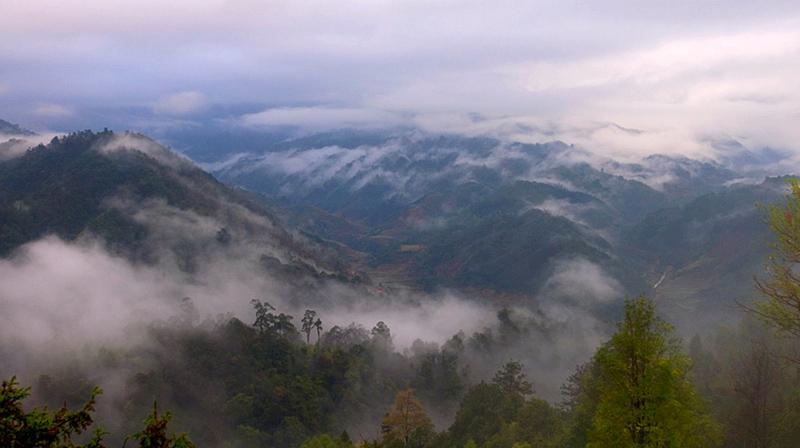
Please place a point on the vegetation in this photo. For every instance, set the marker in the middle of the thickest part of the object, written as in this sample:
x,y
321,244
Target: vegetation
x,y
57,429
780,306
644,395
269,382
242,385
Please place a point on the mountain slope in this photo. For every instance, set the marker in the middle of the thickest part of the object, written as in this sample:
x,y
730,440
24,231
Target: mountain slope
x,y
12,129
147,204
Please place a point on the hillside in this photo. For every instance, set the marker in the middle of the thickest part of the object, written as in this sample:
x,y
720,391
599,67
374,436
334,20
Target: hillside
x,y
147,204
11,129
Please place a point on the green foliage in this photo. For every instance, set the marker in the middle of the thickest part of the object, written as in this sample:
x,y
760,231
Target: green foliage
x,y
154,434
511,380
645,398
45,429
325,441
781,289
498,415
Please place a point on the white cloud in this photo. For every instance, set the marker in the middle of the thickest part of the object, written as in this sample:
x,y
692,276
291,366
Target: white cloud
x,y
671,70
53,110
662,63
321,117
180,104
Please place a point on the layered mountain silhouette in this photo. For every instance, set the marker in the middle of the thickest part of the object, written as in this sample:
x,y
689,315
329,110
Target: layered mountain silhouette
x,y
508,222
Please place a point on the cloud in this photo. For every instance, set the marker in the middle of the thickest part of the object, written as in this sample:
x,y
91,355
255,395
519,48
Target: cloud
x,y
58,292
672,71
150,147
53,110
583,283
181,104
322,118
662,63
14,146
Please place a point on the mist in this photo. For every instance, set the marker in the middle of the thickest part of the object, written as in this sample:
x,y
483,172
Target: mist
x,y
65,298
12,146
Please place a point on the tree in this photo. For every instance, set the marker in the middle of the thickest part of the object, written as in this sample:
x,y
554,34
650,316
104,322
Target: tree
x,y
284,326
645,398
264,317
511,380
45,429
480,415
757,392
42,428
308,324
780,303
154,434
318,326
382,336
407,416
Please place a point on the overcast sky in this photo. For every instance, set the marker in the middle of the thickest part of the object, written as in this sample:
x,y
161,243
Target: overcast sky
x,y
620,76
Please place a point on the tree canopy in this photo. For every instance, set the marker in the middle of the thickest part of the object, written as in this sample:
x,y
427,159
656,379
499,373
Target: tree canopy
x,y
645,397
779,306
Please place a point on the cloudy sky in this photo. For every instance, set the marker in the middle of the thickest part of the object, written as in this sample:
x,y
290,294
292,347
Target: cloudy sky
x,y
618,75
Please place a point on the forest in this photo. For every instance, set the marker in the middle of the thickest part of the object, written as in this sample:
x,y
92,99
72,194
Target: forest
x,y
273,384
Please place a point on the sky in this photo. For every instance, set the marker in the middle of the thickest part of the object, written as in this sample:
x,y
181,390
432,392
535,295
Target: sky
x,y
622,77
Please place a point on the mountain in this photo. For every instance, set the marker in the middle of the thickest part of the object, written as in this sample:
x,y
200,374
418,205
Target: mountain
x,y
150,206
11,129
502,219
509,222
702,256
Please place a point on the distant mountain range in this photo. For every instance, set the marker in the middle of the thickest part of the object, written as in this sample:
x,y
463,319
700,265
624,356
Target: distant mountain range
x,y
511,223
503,219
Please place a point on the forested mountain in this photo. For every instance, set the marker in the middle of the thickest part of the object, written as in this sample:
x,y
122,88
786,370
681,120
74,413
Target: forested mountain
x,y
147,204
11,129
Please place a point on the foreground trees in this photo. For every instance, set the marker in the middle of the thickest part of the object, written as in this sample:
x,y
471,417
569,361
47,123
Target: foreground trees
x,y
780,305
45,429
20,429
644,396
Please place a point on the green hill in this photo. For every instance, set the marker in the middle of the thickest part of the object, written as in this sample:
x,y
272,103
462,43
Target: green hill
x,y
145,203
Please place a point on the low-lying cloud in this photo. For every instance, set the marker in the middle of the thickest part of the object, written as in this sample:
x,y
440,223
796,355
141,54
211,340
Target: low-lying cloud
x,y
66,298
